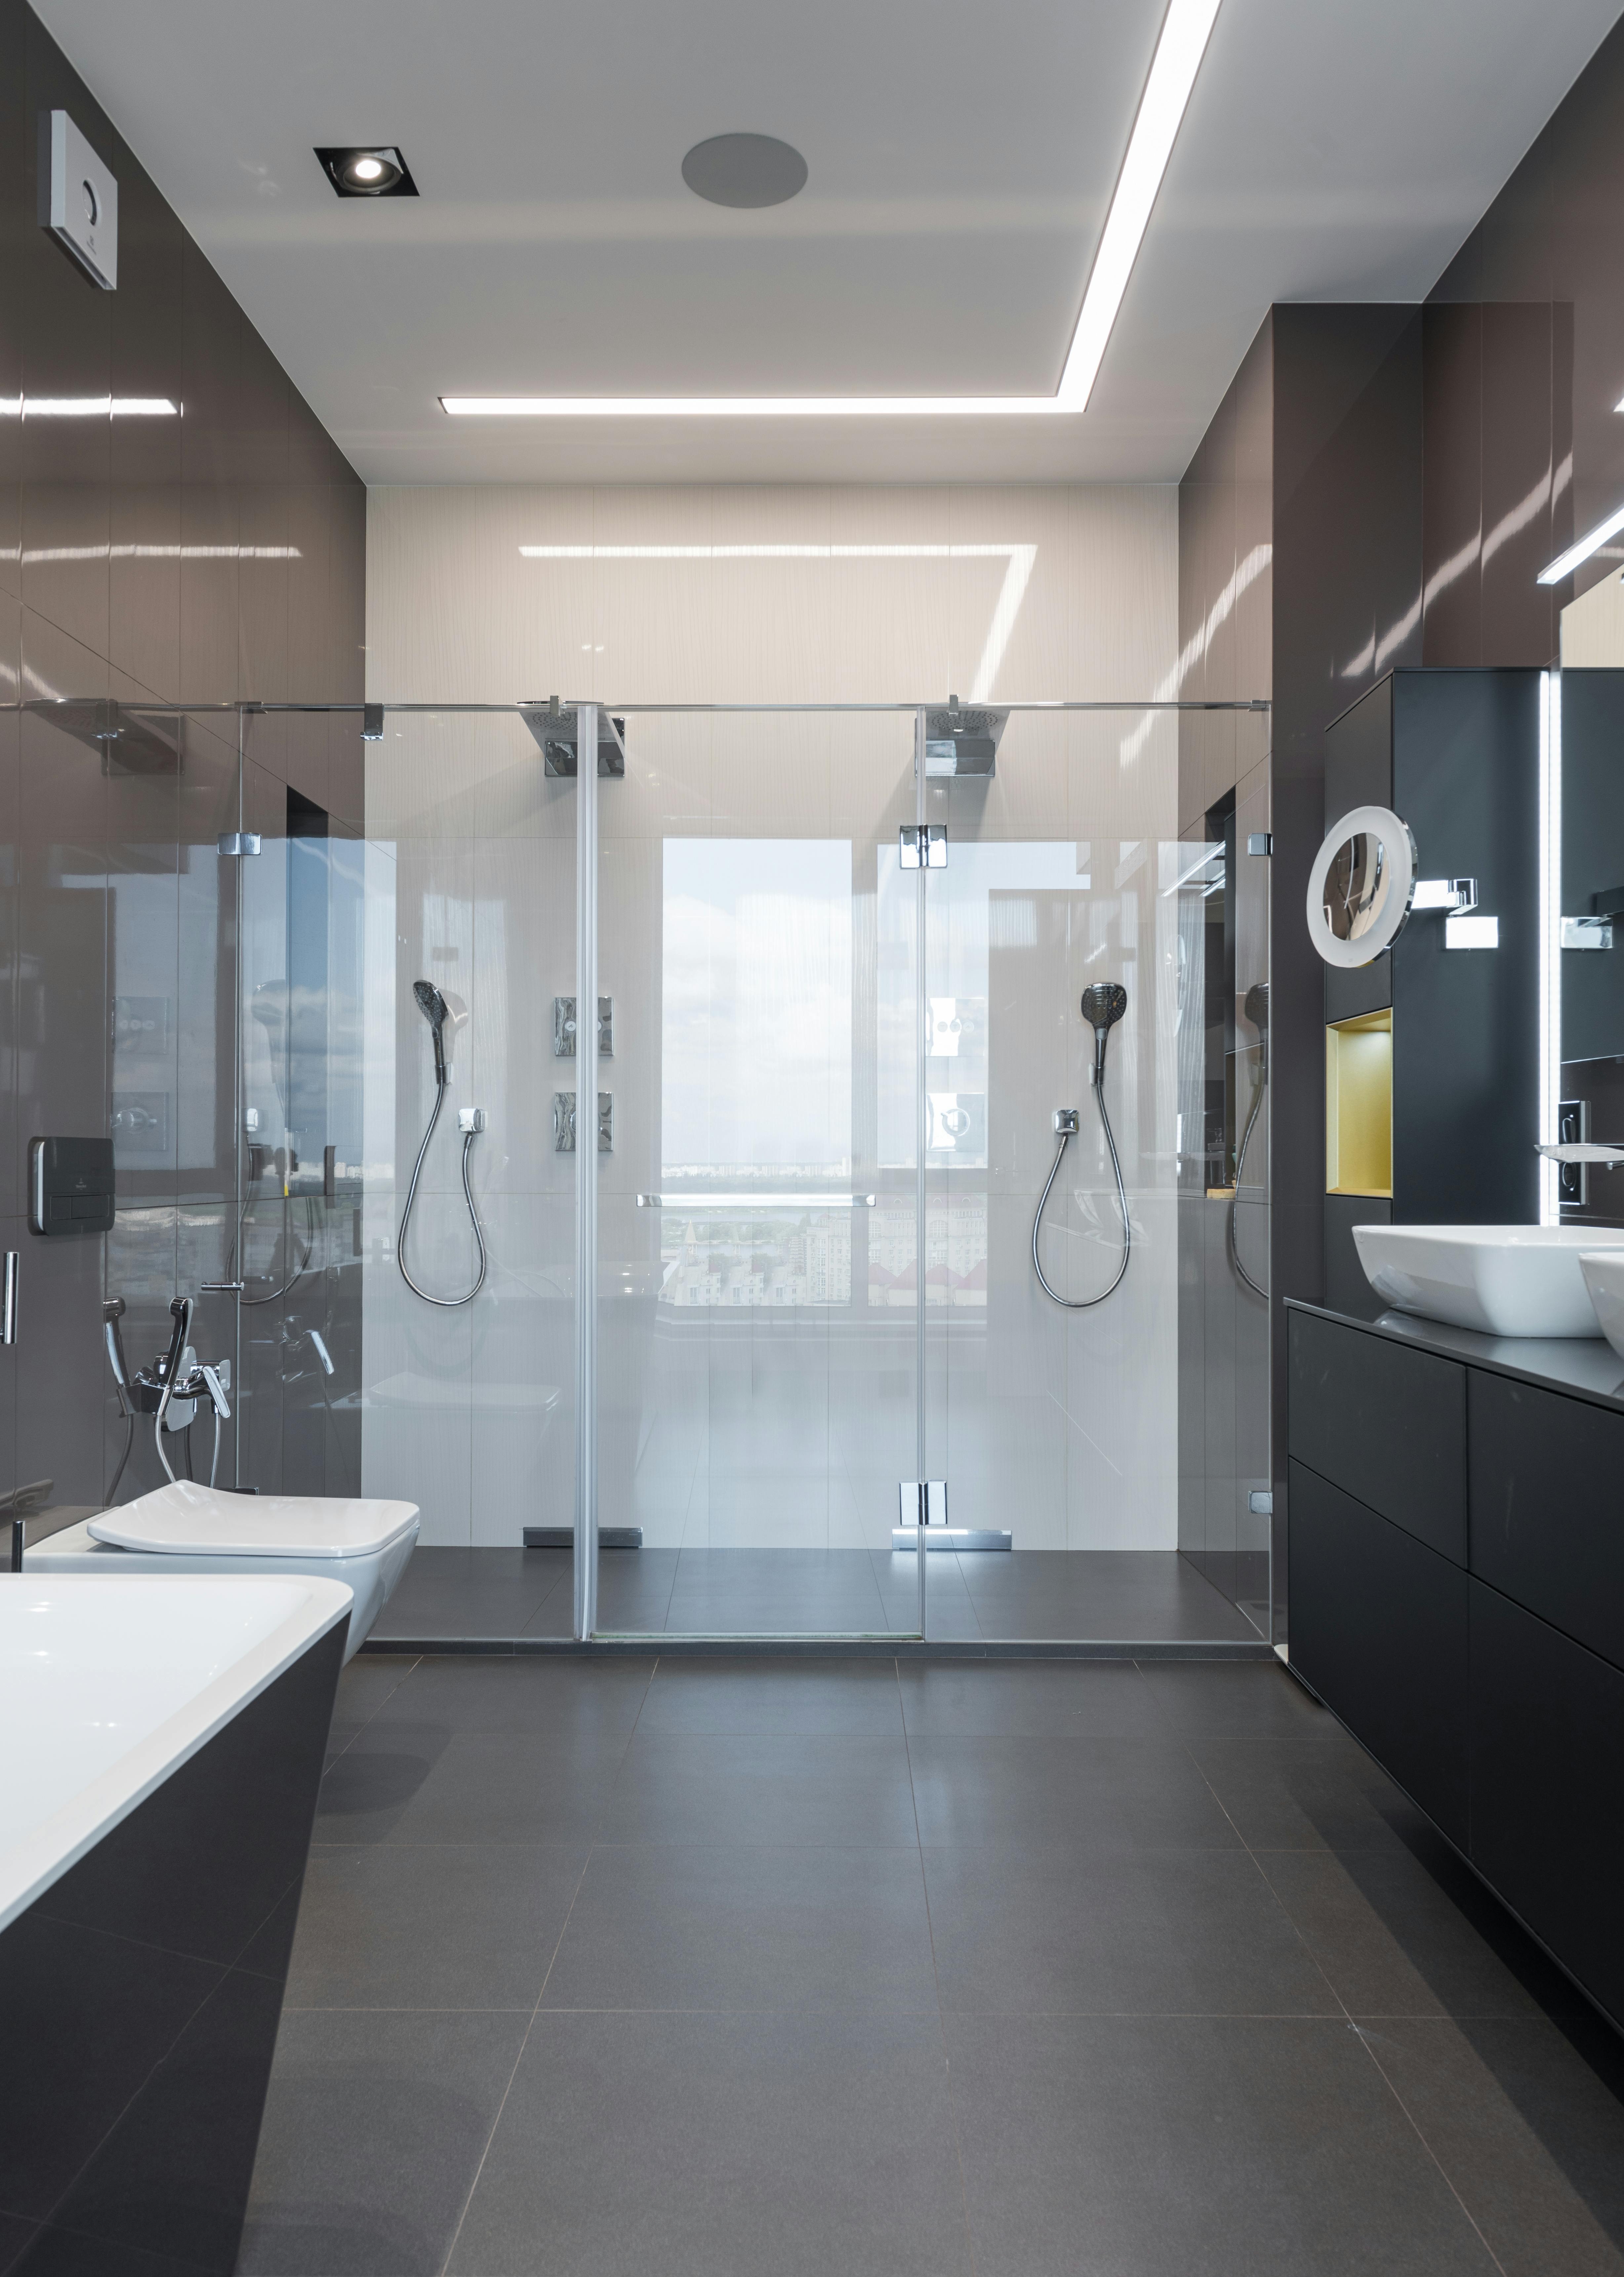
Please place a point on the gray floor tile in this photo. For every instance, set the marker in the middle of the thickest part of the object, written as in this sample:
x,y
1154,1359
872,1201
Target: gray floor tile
x,y
413,1784
1111,1593
1414,1935
833,1697
1307,1794
775,1593
1217,1699
722,2146
385,1925
1165,1932
1105,1595
1082,1791
1106,1699
724,1928
374,2131
789,1789
1115,2147
477,1613
1530,2131
489,1692
14,2234
365,1684
949,1614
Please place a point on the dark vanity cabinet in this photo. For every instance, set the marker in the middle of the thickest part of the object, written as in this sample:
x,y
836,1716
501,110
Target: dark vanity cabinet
x,y
1457,1600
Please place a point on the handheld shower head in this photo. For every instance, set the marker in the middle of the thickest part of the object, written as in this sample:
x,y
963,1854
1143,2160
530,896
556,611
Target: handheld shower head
x,y
1256,1006
1103,1006
432,1005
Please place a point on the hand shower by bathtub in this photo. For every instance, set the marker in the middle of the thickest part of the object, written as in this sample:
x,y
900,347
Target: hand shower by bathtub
x,y
1103,1006
471,1121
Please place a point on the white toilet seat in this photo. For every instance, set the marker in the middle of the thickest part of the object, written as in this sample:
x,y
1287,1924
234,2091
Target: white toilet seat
x,y
185,1517
194,1529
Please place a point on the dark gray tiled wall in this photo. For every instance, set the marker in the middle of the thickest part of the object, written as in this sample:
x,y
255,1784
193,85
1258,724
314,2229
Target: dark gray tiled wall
x,y
202,560
1316,455
1225,636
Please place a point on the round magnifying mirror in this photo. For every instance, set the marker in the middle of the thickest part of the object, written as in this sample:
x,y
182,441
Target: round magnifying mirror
x,y
1361,887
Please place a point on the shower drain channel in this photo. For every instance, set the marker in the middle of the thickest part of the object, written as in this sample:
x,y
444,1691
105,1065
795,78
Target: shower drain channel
x,y
563,1537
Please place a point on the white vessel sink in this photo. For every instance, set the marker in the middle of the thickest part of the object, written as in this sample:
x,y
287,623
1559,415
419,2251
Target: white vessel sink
x,y
1603,1278
1502,1280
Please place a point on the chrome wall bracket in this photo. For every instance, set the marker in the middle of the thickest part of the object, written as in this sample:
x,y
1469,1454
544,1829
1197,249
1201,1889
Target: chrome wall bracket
x,y
1457,896
922,846
564,1027
239,841
564,1122
1587,933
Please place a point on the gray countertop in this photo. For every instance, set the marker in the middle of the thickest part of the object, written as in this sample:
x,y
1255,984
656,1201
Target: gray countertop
x,y
1585,1367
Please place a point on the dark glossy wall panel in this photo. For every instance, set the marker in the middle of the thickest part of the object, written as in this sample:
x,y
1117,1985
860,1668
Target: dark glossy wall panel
x,y
210,557
1466,1022
1525,348
1346,596
1225,631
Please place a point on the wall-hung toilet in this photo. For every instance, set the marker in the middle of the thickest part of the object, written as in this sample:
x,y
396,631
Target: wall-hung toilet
x,y
196,1529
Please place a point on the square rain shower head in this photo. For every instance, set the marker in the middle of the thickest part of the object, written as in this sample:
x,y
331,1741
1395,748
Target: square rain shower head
x,y
963,740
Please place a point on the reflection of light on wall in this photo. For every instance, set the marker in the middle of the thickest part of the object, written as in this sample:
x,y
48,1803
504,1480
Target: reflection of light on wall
x,y
1017,575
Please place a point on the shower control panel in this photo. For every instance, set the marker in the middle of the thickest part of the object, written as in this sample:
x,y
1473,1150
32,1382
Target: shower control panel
x,y
564,1027
70,1185
564,1122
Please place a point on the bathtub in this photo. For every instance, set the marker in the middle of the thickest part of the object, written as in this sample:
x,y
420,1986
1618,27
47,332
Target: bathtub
x,y
164,1739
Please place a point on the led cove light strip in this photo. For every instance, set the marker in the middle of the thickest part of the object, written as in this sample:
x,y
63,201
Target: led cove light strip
x,y
1185,33
1593,540
88,407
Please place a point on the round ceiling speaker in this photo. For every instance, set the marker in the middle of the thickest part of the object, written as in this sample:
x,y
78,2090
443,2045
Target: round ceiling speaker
x,y
744,169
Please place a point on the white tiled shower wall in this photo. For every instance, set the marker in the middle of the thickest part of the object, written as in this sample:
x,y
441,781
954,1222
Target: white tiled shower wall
x,y
754,1428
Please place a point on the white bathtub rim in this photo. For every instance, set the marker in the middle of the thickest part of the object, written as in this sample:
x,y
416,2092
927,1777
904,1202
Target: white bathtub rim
x,y
45,1853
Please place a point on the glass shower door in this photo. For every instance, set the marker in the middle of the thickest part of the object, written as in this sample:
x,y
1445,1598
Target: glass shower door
x,y
757,1395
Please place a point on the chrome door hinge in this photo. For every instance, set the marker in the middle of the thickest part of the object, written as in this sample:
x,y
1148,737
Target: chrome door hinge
x,y
1260,841
564,1027
922,846
239,841
564,1122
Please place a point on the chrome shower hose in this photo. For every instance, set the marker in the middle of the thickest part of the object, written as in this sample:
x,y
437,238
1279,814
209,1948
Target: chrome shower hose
x,y
1082,1304
405,1215
1234,1243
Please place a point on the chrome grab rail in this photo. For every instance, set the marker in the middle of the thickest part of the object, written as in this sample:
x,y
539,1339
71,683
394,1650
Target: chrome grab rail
x,y
703,1202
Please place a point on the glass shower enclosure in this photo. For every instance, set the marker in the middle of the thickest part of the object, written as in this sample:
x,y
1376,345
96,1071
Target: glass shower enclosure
x,y
763,1018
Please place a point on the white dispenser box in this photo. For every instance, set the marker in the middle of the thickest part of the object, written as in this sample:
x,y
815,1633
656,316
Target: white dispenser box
x,y
79,199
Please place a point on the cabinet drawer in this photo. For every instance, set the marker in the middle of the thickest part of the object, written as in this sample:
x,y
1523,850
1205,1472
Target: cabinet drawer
x,y
1384,1423
1379,1628
1547,1487
1547,1786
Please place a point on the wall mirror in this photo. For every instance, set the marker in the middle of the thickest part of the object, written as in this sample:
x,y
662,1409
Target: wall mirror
x,y
1361,887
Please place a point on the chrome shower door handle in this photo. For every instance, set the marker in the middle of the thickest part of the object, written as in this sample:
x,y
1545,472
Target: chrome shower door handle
x,y
8,1297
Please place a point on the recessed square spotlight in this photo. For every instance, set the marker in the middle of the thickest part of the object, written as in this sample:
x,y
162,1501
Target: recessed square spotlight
x,y
374,172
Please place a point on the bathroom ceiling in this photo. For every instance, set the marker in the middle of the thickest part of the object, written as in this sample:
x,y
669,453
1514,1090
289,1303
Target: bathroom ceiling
x,y
961,161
